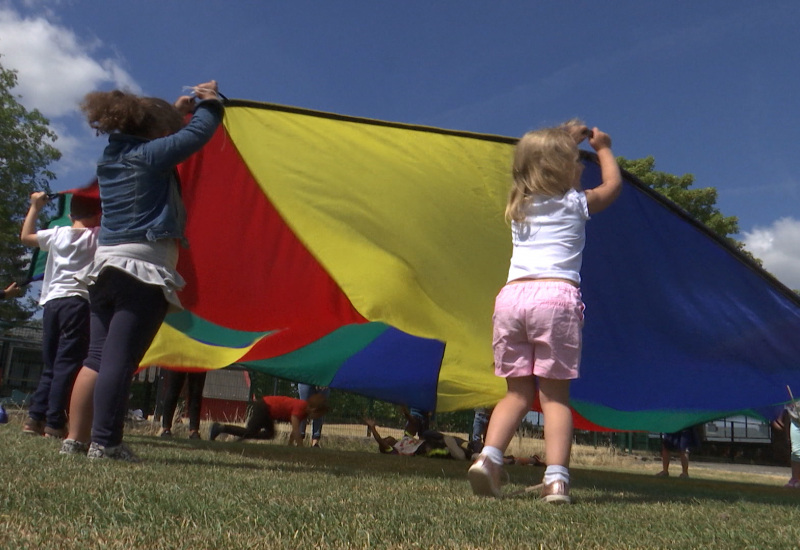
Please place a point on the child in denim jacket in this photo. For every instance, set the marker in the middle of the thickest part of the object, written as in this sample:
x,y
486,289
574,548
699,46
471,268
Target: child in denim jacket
x,y
133,281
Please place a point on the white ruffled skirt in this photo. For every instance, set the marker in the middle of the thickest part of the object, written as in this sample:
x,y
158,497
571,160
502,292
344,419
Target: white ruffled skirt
x,y
153,263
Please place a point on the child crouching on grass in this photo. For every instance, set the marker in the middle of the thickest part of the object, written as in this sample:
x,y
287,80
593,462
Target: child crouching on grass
x,y
261,424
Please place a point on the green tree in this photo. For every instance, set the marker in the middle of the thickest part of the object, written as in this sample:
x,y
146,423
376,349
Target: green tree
x,y
700,203
26,151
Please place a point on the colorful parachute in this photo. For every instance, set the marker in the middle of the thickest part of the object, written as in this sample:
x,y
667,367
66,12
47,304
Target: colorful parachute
x,y
366,256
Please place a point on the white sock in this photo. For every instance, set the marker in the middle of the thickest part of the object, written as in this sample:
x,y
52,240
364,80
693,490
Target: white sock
x,y
494,454
556,473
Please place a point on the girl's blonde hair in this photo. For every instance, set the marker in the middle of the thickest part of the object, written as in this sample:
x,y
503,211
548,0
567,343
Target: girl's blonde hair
x,y
117,111
546,162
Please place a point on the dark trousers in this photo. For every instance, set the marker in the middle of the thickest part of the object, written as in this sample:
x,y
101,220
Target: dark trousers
x,y
174,381
260,425
65,342
126,314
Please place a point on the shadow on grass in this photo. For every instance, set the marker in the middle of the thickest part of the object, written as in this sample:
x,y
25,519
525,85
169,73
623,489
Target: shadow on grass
x,y
589,486
646,488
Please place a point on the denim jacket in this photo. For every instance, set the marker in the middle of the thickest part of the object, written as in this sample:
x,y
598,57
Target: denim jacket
x,y
139,187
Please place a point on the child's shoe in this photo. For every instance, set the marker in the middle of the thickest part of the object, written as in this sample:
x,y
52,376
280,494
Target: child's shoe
x,y
117,452
216,429
73,447
55,433
556,492
33,427
484,477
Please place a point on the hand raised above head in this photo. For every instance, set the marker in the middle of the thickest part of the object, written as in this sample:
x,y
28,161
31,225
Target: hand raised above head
x,y
599,140
184,104
13,291
38,199
207,90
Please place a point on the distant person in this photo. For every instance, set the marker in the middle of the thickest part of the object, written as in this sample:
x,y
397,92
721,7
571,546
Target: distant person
x,y
271,408
174,382
417,421
305,391
794,439
11,291
680,442
65,320
532,460
430,443
480,421
538,314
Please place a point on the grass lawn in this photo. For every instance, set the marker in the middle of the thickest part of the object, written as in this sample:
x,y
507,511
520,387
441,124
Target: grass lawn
x,y
225,494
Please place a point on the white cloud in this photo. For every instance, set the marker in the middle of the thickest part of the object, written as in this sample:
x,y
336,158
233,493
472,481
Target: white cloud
x,y
778,247
54,68
79,148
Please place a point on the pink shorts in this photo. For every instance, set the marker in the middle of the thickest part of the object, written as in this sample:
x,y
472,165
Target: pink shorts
x,y
537,330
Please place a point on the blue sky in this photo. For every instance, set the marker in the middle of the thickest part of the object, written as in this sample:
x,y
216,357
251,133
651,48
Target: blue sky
x,y
707,88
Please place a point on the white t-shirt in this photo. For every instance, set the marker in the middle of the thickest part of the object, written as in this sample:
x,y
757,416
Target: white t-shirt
x,y
549,243
408,445
69,250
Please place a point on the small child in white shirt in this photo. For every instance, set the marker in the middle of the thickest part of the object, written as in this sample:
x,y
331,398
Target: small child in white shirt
x,y
65,301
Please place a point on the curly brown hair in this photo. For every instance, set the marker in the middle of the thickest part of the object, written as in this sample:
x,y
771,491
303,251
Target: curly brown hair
x,y
126,113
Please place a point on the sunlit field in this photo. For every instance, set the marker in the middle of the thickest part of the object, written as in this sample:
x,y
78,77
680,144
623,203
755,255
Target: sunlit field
x,y
227,494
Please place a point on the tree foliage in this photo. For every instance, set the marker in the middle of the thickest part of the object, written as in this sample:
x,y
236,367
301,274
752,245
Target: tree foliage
x,y
26,150
699,203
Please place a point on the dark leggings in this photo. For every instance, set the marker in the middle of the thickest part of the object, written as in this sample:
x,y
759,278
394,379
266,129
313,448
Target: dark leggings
x,y
174,380
260,425
126,314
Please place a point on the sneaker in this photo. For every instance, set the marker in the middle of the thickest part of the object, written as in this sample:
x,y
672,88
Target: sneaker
x,y
794,483
484,477
56,433
662,473
117,452
73,447
33,427
216,429
194,434
556,492
452,446
165,433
